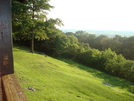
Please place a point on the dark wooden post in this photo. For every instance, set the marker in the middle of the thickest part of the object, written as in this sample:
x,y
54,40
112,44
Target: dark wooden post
x,y
10,89
6,57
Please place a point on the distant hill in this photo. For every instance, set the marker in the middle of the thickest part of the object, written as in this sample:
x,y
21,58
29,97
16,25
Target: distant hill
x,y
44,78
104,32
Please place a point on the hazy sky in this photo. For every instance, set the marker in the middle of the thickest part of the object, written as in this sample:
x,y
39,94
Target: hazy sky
x,y
94,14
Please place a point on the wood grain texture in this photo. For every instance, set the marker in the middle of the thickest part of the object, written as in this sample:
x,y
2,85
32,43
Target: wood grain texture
x,y
6,56
12,88
0,90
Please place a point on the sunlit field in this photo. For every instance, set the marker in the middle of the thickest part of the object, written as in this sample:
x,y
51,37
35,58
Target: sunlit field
x,y
64,80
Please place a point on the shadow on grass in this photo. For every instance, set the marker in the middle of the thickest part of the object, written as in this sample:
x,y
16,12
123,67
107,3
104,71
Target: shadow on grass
x,y
27,49
112,80
17,47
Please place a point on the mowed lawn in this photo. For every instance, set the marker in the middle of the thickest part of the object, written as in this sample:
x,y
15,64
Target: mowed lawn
x,y
64,80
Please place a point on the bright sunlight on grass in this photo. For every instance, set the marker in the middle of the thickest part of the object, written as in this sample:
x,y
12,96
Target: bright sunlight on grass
x,y
64,80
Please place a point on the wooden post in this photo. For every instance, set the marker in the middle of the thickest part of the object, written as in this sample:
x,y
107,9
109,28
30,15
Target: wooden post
x,y
6,57
10,89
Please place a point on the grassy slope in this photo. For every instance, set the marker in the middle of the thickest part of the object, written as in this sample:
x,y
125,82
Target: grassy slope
x,y
64,80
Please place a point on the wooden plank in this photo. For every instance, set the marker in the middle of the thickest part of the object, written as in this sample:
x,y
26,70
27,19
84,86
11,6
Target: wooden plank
x,y
3,93
6,57
1,90
12,88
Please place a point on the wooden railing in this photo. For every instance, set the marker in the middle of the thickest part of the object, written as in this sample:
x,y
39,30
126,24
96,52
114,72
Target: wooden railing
x,y
11,89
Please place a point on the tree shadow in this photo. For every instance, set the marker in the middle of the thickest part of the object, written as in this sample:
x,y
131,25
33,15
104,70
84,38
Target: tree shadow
x,y
17,47
107,79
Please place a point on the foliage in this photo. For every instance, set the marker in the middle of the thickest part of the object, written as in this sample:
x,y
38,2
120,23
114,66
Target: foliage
x,y
101,52
29,20
64,80
119,44
67,46
107,60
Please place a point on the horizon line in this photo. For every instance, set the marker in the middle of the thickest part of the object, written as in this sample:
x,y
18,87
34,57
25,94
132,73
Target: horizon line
x,y
93,29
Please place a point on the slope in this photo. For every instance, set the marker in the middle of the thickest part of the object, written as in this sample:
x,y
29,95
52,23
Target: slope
x,y
51,79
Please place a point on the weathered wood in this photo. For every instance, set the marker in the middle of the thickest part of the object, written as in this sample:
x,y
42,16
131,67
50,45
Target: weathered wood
x,y
6,57
3,93
1,90
12,88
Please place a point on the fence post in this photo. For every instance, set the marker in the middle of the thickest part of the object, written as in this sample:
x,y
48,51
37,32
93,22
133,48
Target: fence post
x,y
6,57
10,89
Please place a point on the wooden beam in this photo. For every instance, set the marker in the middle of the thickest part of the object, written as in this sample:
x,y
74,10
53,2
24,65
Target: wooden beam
x,y
6,57
1,93
12,88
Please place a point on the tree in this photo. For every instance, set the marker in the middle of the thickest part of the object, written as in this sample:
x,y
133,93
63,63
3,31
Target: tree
x,y
82,36
101,42
128,47
29,19
69,33
91,40
37,13
19,11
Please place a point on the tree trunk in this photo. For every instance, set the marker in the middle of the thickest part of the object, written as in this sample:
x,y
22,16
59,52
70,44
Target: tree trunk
x,y
32,40
32,44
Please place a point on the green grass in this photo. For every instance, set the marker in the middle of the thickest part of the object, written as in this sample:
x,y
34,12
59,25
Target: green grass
x,y
64,80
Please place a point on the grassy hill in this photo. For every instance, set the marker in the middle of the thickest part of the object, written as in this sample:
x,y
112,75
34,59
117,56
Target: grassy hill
x,y
64,80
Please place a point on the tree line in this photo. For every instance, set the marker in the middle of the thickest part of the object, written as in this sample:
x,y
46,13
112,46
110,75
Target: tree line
x,y
32,28
69,46
119,44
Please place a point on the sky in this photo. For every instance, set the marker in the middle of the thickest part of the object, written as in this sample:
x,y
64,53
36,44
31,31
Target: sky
x,y
94,14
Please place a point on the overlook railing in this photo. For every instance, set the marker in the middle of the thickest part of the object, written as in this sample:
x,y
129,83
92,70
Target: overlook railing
x,y
10,90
